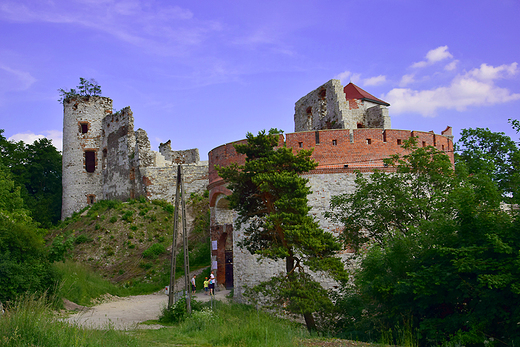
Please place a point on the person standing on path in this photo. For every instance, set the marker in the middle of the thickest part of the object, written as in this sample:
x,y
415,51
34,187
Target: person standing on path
x,y
206,286
211,284
193,285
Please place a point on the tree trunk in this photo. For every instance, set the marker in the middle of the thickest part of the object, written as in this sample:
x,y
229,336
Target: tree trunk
x,y
289,264
309,321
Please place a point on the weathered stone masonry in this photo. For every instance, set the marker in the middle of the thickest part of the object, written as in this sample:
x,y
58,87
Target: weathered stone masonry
x,y
349,130
104,158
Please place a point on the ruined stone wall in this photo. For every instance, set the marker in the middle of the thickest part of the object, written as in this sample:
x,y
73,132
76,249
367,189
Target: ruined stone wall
x,y
323,108
121,163
188,156
327,107
118,156
82,139
160,182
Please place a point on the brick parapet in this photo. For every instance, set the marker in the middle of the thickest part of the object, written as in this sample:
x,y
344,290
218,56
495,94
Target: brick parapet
x,y
338,150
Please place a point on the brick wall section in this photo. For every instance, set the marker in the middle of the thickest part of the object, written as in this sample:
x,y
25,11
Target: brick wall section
x,y
357,148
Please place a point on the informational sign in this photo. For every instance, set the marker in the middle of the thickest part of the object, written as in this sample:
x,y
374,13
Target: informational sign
x,y
214,245
213,264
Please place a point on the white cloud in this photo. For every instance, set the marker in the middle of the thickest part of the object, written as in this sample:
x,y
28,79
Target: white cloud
x,y
489,73
374,81
166,29
55,136
474,88
15,79
451,66
433,56
344,76
406,80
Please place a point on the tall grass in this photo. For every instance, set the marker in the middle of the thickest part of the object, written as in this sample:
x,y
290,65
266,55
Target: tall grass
x,y
80,284
31,322
229,325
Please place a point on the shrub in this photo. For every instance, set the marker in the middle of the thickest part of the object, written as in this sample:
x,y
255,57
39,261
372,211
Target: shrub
x,y
83,239
154,251
127,216
113,219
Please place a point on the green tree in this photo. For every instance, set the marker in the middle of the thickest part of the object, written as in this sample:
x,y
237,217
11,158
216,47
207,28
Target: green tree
x,y
388,205
23,259
493,154
270,197
36,169
451,273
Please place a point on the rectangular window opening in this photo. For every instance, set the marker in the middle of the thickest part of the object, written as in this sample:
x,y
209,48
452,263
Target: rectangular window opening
x,y
91,199
399,142
317,136
424,143
369,141
300,144
83,128
334,142
90,161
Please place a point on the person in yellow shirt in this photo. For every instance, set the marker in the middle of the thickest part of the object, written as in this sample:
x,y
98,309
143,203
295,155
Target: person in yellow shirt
x,y
206,286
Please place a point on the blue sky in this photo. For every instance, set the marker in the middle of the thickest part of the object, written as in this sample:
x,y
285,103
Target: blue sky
x,y
203,73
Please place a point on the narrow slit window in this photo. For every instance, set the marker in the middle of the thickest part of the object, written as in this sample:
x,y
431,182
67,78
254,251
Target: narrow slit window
x,y
334,142
317,136
90,161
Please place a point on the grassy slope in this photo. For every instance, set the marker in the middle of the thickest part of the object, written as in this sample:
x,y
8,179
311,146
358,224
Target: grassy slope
x,y
130,243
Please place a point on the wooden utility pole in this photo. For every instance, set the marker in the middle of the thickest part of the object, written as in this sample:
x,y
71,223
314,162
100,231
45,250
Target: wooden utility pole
x,y
186,253
180,197
171,294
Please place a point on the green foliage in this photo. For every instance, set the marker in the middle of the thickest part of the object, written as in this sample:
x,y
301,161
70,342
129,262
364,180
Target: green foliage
x,y
36,169
32,322
84,88
113,219
23,259
81,284
443,260
83,238
168,207
492,154
270,197
128,216
154,251
230,325
178,312
60,247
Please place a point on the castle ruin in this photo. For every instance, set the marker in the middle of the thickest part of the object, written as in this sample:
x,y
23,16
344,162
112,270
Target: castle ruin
x,y
350,131
104,158
348,128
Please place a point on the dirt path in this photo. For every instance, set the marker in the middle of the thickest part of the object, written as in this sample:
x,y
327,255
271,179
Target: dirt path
x,y
129,312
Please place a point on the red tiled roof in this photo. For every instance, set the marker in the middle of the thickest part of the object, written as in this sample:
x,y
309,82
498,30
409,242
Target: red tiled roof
x,y
354,92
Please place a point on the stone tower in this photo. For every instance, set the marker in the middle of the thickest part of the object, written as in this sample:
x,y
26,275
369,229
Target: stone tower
x,y
82,151
333,106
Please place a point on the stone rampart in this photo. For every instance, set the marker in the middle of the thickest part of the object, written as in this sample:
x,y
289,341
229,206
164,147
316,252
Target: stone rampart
x,y
340,153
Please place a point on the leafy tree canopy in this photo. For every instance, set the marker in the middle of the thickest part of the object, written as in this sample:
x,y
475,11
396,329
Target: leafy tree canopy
x,y
36,169
23,258
438,254
493,154
270,197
